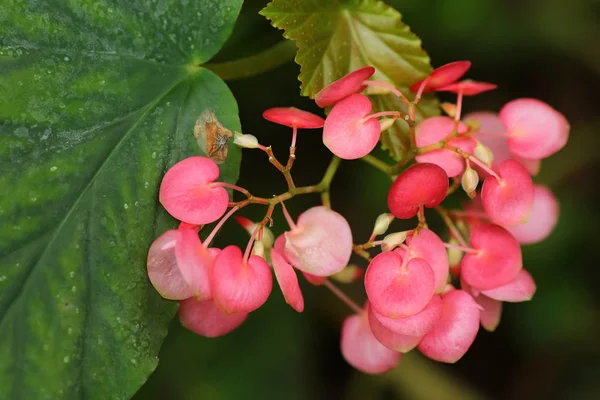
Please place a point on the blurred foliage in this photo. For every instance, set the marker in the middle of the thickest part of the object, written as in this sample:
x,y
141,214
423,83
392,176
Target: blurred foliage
x,y
544,349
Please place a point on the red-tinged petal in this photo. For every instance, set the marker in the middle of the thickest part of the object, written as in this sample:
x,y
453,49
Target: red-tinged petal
x,y
398,292
532,166
240,287
186,194
450,161
443,76
510,200
408,192
428,246
291,116
195,263
498,260
490,312
436,129
321,243
415,325
313,279
390,339
347,133
522,288
343,87
288,281
542,220
362,350
468,87
456,329
204,318
163,270
535,129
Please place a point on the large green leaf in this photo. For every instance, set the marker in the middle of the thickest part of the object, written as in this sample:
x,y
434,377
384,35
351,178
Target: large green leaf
x,y
335,37
97,100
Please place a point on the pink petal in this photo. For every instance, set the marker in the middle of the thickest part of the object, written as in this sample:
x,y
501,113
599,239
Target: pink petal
x,y
450,161
362,350
408,192
468,87
347,133
536,130
343,87
456,329
398,292
291,116
313,279
195,263
186,194
240,287
321,243
509,201
443,76
490,313
522,288
288,281
498,261
428,246
163,270
204,318
390,339
542,220
435,129
415,325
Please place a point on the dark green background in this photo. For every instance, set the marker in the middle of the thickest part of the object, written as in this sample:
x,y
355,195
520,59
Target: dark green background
x,y
546,349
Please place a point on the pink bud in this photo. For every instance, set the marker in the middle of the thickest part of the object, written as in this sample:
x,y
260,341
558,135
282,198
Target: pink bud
x,y
321,242
390,339
343,87
163,270
415,325
498,260
535,129
429,247
542,220
419,185
456,329
204,318
443,76
293,117
238,286
348,132
468,87
288,281
522,288
195,262
362,350
508,201
187,195
396,290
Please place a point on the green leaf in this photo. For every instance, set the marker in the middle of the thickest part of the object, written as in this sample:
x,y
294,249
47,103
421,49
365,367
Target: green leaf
x,y
97,100
335,37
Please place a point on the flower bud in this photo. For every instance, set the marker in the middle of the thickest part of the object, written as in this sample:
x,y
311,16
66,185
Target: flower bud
x,y
386,123
350,274
454,255
469,181
245,140
393,240
450,109
258,249
483,153
382,224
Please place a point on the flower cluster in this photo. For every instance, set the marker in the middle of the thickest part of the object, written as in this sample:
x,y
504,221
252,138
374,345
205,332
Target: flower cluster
x,y
422,292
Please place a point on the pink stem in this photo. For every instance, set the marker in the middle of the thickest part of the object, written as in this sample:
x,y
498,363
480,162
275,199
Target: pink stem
x,y
382,114
459,101
461,248
342,296
228,185
421,89
251,242
212,234
260,146
288,218
470,214
487,169
294,134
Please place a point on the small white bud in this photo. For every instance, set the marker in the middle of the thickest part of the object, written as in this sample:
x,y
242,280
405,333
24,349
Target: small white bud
x,y
386,123
469,180
245,140
454,255
483,153
267,237
258,249
382,224
393,240
349,274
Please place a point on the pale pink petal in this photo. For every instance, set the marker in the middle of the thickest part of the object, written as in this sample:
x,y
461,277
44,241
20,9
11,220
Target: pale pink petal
x,y
362,350
490,312
415,325
390,339
195,263
288,281
522,288
163,270
456,329
204,318
186,194
542,220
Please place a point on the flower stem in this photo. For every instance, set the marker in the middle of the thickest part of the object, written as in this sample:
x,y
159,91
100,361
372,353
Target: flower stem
x,y
377,163
451,227
342,296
